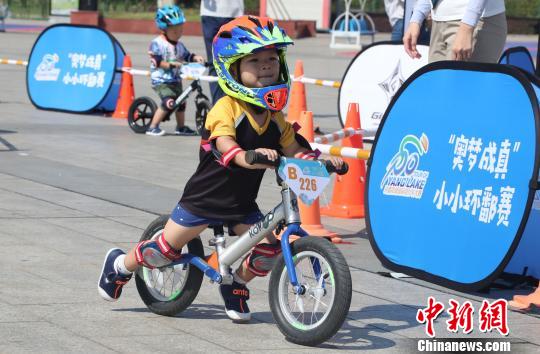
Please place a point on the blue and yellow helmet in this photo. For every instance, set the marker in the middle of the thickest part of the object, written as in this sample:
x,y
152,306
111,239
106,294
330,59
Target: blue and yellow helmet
x,y
243,36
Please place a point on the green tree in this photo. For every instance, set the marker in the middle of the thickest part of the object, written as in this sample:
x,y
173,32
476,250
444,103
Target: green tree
x,y
523,8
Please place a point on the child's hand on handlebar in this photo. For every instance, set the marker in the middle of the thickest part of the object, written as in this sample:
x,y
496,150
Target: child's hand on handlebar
x,y
175,64
336,161
272,155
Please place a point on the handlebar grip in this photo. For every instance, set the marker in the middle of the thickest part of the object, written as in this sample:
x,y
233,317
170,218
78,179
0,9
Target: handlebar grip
x,y
332,169
253,157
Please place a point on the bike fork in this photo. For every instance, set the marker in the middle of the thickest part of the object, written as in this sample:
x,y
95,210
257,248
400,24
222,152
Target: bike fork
x,y
292,229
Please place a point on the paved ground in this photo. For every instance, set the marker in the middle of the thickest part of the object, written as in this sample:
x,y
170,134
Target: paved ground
x,y
73,186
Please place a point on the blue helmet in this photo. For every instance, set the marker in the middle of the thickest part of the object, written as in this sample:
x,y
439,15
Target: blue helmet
x,y
167,16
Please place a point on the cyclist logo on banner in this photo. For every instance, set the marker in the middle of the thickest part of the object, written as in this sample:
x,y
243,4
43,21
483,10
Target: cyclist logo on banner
x,y
306,178
46,70
402,178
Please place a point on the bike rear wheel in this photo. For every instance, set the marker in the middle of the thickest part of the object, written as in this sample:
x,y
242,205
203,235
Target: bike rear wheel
x,y
169,290
140,114
203,106
316,315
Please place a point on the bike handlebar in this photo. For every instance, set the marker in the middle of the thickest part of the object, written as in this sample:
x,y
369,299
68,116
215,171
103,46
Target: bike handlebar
x,y
253,157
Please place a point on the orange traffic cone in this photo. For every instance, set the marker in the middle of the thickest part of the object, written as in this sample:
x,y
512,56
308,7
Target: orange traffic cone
x,y
348,197
310,215
127,92
298,95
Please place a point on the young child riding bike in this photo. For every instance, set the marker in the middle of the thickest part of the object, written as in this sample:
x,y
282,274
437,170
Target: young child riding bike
x,y
167,54
249,56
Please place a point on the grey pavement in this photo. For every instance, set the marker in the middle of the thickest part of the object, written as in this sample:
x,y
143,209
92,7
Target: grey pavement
x,y
72,186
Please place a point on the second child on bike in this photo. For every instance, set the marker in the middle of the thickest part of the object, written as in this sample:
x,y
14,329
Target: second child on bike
x,y
249,56
166,56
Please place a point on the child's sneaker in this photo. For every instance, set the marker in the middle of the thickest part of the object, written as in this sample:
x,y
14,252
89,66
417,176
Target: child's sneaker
x,y
185,130
111,282
235,297
157,131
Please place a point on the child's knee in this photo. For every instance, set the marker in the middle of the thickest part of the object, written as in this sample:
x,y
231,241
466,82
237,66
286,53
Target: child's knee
x,y
167,104
156,253
262,258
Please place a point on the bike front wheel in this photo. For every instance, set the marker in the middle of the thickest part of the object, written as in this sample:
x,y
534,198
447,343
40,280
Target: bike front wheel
x,y
315,315
169,290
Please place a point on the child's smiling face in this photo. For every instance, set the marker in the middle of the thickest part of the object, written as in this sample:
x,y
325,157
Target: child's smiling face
x,y
260,69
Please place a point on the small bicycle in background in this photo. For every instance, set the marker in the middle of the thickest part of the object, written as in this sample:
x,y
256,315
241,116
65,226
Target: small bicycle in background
x,y
310,286
142,109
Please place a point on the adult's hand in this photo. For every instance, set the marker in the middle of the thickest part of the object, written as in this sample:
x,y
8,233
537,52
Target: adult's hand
x,y
410,39
462,47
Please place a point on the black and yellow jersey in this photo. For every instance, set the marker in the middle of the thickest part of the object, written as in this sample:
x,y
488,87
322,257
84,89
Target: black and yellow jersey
x,y
229,193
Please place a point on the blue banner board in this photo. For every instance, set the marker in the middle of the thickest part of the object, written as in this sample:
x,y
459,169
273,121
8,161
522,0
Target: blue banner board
x,y
73,68
453,173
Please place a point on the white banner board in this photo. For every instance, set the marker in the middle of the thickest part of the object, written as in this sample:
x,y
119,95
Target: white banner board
x,y
372,79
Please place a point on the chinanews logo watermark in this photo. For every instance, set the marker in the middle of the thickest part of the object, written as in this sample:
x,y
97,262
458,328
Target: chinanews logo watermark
x,y
462,319
402,178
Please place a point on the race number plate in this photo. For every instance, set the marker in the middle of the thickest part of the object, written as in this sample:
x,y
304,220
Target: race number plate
x,y
306,178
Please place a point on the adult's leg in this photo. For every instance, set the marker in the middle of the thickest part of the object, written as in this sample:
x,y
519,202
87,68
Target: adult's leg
x,y
211,26
397,31
425,34
489,39
443,34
